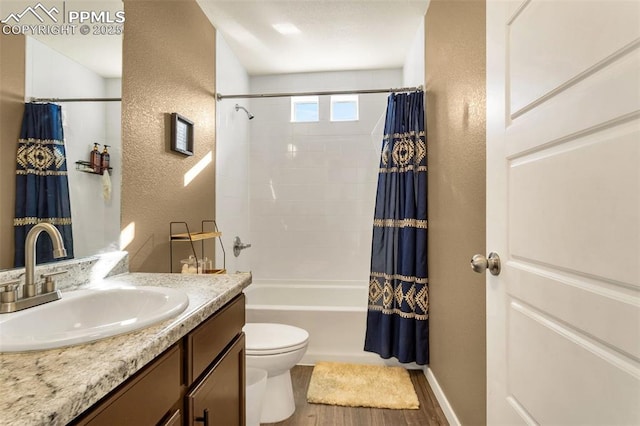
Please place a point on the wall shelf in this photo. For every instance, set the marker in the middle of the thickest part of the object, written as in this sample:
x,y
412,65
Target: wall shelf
x,y
85,166
195,236
201,236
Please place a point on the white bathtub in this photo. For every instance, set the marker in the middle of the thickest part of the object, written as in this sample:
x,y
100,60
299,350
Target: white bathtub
x,y
334,314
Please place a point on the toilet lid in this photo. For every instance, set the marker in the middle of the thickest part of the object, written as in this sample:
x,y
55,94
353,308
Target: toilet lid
x,y
273,338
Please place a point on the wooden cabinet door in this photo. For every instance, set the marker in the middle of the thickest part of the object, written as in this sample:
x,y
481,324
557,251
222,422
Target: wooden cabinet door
x,y
145,399
218,400
208,340
174,419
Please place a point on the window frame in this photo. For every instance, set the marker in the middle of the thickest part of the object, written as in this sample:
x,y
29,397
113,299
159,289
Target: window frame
x,y
344,99
295,100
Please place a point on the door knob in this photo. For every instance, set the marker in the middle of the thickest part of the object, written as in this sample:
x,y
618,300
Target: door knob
x,y
479,263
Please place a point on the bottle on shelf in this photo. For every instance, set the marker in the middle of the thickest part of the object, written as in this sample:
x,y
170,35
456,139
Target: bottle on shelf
x,y
189,266
95,159
104,159
205,266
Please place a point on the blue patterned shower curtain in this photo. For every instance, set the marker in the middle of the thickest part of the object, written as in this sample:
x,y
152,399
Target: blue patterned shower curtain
x,y
42,188
398,313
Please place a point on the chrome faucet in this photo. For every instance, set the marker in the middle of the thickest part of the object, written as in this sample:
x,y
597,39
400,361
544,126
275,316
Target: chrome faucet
x,y
9,301
30,253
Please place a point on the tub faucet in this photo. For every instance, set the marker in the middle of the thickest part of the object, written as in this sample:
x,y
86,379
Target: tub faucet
x,y
30,253
238,246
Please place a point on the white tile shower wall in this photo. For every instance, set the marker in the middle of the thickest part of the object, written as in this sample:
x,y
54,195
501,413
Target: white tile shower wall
x,y
312,185
96,222
413,69
113,137
232,157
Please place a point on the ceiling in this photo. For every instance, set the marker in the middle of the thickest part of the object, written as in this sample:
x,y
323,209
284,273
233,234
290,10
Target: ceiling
x,y
100,53
334,34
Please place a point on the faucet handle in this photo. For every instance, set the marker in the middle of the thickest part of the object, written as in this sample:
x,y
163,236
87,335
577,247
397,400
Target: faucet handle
x,y
238,246
9,291
49,285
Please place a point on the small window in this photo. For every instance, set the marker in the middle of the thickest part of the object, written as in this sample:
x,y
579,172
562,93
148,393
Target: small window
x,y
344,108
304,109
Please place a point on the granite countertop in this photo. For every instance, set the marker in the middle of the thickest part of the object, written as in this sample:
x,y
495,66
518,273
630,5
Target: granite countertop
x,y
54,386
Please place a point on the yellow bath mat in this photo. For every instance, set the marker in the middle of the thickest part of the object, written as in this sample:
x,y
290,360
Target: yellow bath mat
x,y
356,385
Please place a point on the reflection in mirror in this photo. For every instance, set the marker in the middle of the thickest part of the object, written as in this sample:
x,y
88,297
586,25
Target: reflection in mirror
x,y
82,66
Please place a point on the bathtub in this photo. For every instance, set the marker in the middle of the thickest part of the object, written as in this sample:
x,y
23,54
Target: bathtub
x,y
334,314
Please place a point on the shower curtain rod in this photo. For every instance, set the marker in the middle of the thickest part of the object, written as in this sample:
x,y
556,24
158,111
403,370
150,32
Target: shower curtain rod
x,y
76,99
329,92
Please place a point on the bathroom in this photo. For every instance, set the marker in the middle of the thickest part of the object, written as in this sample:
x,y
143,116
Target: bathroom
x,y
233,143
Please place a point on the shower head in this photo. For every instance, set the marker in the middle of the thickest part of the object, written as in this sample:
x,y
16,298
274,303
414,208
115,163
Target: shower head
x,y
238,107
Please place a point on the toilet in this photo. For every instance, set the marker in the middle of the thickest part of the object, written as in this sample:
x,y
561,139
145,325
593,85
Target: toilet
x,y
256,382
275,348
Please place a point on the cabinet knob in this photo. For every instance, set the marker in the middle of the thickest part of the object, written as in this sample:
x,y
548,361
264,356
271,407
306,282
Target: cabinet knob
x,y
204,419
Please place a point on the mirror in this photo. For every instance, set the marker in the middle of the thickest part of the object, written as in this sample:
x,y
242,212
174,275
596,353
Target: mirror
x,y
85,64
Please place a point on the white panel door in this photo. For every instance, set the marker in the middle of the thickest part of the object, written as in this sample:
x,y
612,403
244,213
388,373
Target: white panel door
x,y
563,212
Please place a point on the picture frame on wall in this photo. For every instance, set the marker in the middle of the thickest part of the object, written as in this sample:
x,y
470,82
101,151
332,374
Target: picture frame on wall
x,y
181,134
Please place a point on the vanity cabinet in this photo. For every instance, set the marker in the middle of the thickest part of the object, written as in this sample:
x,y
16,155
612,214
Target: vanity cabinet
x,y
200,380
145,398
215,368
175,419
218,398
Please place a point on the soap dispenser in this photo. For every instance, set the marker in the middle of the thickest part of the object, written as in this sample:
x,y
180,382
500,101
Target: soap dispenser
x,y
95,159
104,159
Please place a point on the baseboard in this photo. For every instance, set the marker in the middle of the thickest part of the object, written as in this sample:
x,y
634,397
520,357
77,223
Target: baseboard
x,y
311,358
442,399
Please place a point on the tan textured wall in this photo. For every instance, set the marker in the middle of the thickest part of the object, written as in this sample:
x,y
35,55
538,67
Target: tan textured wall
x,y
168,66
456,92
12,64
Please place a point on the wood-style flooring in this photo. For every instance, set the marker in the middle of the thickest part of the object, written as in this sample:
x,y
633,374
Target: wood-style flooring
x,y
307,414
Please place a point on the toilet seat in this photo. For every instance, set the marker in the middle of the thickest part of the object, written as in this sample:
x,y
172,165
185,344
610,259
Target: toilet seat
x,y
271,338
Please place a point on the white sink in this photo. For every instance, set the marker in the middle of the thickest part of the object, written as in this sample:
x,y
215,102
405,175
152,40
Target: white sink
x,y
83,316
